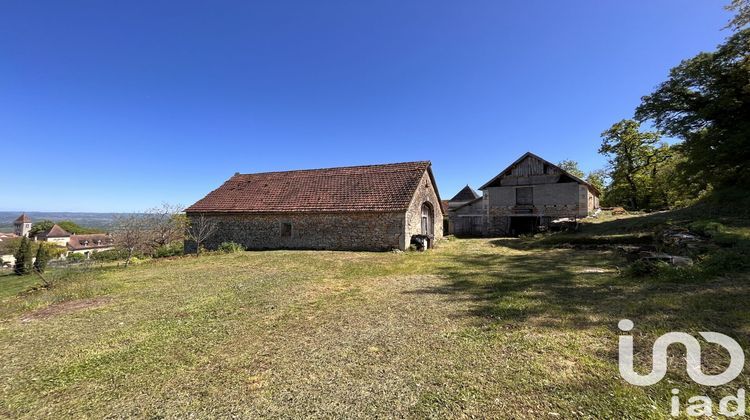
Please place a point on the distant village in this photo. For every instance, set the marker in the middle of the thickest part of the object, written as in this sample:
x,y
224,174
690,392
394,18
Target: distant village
x,y
84,244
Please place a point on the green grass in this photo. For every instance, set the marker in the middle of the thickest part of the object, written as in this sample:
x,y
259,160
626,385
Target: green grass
x,y
483,328
11,285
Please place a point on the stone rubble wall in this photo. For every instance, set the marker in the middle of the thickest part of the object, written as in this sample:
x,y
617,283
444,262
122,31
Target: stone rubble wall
x,y
551,201
425,193
372,231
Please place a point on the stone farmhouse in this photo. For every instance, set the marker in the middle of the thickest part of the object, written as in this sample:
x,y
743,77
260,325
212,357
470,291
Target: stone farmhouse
x,y
376,207
85,244
54,235
529,193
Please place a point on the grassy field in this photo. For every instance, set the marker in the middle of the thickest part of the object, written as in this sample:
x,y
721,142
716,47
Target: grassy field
x,y
485,328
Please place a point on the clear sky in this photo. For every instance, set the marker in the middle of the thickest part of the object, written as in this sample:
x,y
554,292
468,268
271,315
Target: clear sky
x,y
118,106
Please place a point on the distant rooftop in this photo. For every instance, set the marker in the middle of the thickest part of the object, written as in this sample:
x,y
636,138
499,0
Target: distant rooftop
x,y
54,232
23,219
466,194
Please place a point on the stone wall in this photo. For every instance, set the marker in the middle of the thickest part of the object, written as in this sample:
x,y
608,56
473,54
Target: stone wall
x,y
469,220
372,231
551,201
590,202
425,193
498,222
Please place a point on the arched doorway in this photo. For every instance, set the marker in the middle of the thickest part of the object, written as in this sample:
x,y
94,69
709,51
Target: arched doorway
x,y
428,220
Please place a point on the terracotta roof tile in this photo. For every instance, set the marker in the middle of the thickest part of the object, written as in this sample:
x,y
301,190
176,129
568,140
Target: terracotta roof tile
x,y
90,241
23,219
387,187
54,232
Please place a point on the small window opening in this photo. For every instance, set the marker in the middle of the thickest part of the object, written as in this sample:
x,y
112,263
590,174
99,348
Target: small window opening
x,y
286,230
524,196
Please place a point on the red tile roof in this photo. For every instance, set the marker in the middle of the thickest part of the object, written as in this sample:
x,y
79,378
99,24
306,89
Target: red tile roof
x,y
387,187
92,241
54,232
23,219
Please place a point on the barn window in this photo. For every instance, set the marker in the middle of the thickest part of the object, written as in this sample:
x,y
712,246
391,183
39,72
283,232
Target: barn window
x,y
524,196
286,230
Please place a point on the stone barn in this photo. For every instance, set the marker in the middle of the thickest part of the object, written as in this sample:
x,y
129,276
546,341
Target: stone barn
x,y
469,219
376,207
530,193
525,196
467,213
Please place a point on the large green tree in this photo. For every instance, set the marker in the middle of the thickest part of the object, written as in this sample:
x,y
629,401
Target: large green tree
x,y
40,226
597,179
68,225
571,166
706,103
635,158
742,17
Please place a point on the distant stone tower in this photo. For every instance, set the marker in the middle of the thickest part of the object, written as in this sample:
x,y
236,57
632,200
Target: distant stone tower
x,y
22,225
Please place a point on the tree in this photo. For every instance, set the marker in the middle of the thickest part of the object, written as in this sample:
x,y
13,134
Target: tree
x,y
40,226
200,229
706,103
634,158
23,257
166,224
571,166
742,18
597,179
68,225
43,256
75,228
131,235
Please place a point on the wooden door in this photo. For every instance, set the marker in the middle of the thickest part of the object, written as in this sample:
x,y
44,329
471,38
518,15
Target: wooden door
x,y
427,220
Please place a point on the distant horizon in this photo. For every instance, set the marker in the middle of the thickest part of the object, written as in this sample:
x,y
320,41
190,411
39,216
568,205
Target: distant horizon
x,y
98,220
20,212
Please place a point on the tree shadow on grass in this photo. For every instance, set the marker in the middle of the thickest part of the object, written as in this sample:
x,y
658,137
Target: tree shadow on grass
x,y
578,289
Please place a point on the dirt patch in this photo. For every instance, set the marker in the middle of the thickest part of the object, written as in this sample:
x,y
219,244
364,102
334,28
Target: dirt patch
x,y
65,308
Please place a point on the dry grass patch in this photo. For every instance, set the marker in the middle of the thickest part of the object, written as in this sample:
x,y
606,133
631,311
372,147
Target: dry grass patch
x,y
64,308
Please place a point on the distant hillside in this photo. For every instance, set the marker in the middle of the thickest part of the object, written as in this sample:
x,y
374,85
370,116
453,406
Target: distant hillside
x,y
103,221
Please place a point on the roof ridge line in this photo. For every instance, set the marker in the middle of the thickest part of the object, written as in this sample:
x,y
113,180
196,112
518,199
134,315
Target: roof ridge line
x,y
427,162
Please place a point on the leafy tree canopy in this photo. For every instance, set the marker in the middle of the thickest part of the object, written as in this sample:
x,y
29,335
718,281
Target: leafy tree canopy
x,y
572,167
68,225
706,102
597,179
636,161
742,18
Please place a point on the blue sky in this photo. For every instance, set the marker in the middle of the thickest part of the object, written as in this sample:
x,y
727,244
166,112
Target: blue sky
x,y
118,106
